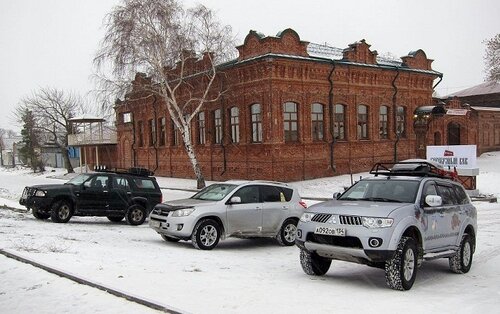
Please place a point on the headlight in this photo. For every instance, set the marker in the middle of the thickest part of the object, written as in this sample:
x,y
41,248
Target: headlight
x,y
182,212
40,193
306,217
375,222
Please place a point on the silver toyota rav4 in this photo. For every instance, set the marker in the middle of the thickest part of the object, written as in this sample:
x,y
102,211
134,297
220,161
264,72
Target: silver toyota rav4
x,y
407,213
233,208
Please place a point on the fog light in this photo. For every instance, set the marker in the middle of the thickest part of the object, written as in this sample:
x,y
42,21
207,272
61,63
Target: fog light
x,y
179,227
375,242
299,233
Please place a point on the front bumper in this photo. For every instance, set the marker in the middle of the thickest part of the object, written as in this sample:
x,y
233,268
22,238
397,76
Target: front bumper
x,y
356,246
40,203
176,227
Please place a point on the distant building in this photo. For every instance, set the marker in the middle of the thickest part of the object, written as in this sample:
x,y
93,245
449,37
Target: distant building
x,y
9,146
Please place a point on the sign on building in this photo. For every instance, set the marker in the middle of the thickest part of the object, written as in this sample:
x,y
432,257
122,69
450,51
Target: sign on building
x,y
459,156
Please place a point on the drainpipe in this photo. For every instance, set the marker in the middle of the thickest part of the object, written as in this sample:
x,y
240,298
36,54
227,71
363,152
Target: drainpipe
x,y
394,114
330,103
155,142
134,154
223,115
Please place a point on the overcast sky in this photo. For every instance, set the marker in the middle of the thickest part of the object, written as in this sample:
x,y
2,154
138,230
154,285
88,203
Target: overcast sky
x,y
51,43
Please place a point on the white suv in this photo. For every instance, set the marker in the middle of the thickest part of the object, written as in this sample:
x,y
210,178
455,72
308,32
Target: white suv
x,y
407,213
233,208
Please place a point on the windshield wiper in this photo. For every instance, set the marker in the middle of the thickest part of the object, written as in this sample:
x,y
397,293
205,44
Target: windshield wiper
x,y
380,199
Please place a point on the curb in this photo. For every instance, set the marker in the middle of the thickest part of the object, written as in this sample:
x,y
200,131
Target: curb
x,y
82,281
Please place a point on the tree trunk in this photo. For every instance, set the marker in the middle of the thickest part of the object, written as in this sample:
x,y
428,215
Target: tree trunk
x,y
67,162
188,146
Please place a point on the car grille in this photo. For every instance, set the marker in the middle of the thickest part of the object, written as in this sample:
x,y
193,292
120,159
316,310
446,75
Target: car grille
x,y
27,192
350,242
350,220
321,217
343,219
161,212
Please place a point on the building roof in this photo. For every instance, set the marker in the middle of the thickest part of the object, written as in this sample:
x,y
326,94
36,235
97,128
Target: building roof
x,y
478,108
87,119
481,89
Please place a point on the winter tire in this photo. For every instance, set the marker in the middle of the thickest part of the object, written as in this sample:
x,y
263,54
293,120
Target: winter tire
x,y
313,264
115,218
461,262
287,233
61,211
401,269
206,234
136,215
39,215
169,239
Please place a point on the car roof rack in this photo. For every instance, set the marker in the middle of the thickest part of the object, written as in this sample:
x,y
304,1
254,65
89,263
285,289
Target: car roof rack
x,y
136,171
413,168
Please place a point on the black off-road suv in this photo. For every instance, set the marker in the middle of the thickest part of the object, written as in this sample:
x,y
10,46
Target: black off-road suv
x,y
116,194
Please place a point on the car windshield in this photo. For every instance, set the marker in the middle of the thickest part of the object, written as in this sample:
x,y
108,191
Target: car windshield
x,y
214,192
79,179
398,191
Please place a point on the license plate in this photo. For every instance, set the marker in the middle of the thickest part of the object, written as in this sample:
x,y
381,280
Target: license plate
x,y
155,224
330,231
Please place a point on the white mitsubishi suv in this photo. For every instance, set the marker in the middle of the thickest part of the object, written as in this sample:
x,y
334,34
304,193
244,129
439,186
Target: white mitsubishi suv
x,y
407,213
234,208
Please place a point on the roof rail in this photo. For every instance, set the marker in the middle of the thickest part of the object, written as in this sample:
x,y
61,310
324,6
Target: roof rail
x,y
414,168
136,171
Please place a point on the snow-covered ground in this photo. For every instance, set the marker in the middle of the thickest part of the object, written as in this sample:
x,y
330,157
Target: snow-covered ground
x,y
238,276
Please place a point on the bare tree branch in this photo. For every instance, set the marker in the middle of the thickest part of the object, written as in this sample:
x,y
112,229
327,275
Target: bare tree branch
x,y
177,49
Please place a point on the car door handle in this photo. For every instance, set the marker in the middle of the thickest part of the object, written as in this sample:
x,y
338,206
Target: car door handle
x,y
285,207
258,208
105,191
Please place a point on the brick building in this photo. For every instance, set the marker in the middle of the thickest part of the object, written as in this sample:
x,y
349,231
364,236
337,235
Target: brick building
x,y
293,111
467,117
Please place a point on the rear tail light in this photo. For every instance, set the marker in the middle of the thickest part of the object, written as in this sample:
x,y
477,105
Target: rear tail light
x,y
303,204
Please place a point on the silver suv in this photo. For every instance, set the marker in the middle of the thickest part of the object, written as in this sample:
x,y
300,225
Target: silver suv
x,y
408,212
233,208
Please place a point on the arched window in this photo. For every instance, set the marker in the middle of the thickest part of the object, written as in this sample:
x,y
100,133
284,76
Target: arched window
x,y
162,128
317,122
234,114
201,128
290,122
218,126
362,122
401,121
256,120
383,122
453,133
339,122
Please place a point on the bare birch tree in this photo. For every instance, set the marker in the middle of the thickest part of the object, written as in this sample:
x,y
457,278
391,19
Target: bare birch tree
x,y
160,38
492,59
51,109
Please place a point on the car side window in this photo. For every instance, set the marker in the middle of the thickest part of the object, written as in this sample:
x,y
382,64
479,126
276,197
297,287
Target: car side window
x,y
121,183
97,182
248,194
143,183
271,194
447,194
288,193
461,195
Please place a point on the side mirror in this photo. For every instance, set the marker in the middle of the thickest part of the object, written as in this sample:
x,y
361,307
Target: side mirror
x,y
433,200
336,195
235,200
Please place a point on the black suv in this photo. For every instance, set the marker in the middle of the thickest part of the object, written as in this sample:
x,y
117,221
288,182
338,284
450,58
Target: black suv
x,y
116,194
